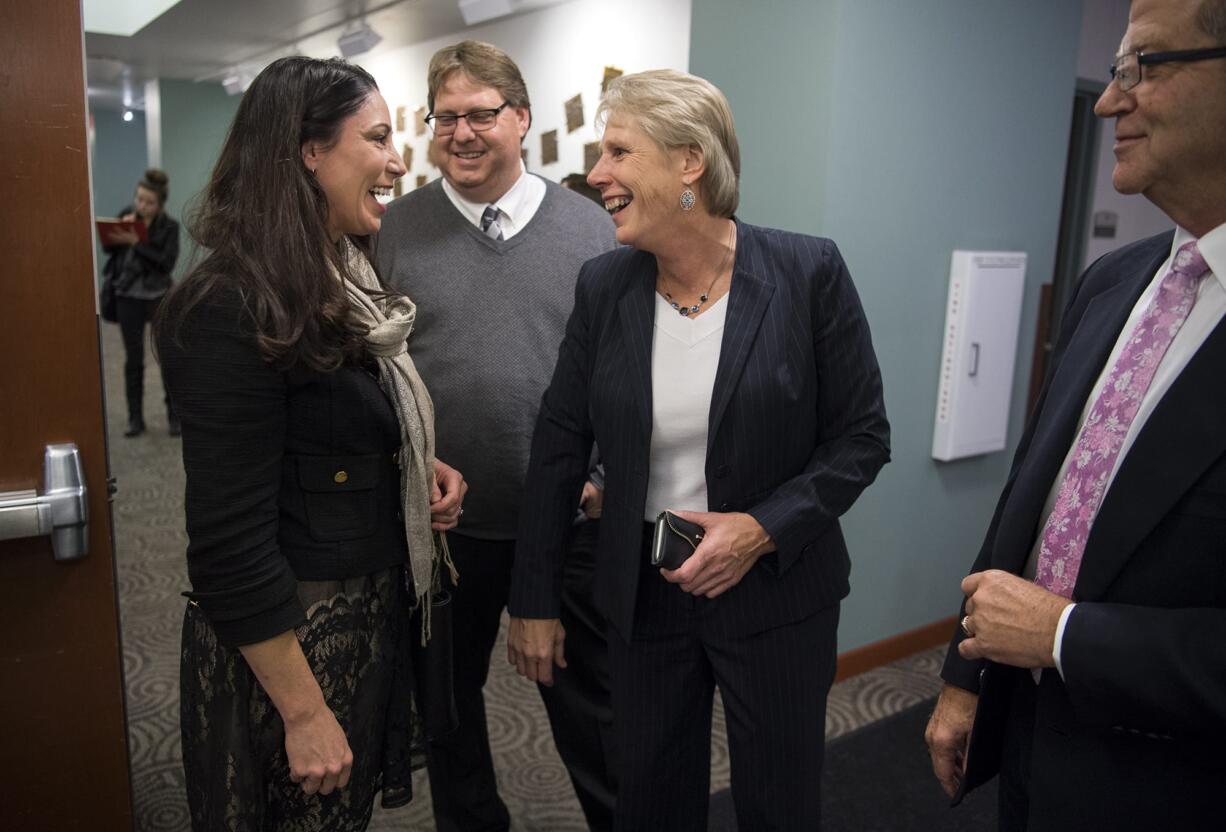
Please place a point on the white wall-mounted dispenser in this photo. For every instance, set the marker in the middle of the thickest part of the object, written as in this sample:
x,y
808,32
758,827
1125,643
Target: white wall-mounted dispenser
x,y
982,317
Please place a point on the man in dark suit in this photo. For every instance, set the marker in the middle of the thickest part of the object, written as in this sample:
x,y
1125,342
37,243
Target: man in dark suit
x,y
1103,575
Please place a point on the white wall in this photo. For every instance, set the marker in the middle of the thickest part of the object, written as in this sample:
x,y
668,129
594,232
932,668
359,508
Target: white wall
x,y
561,50
1102,26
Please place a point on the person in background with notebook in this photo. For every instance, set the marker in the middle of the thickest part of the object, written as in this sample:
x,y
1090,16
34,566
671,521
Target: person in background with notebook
x,y
140,272
490,253
727,373
1090,657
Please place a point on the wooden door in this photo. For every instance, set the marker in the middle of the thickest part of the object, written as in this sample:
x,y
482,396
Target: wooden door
x,y
63,759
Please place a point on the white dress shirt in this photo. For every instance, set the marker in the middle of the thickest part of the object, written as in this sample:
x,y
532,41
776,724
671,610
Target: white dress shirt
x,y
1206,313
684,357
516,207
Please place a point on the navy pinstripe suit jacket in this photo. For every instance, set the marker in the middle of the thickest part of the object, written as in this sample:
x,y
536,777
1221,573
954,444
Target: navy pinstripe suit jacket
x,y
797,429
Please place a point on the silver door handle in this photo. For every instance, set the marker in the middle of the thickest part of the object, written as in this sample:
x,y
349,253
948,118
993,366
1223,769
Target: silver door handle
x,y
61,511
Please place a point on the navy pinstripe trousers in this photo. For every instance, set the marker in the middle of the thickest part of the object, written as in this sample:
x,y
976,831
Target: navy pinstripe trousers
x,y
774,685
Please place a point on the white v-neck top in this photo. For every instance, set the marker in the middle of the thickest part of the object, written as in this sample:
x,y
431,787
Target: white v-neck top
x,y
684,357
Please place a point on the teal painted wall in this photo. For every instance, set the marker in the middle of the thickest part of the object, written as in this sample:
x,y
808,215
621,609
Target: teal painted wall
x,y
120,156
904,131
120,153
195,119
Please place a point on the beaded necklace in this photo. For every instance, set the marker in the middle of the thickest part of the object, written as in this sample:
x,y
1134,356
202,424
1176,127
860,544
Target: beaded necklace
x,y
686,311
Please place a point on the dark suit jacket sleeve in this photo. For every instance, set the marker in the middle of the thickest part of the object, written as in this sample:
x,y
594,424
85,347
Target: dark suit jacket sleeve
x,y
854,437
1147,669
233,409
561,453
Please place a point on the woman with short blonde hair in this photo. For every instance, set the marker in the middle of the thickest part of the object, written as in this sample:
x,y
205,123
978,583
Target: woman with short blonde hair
x,y
727,374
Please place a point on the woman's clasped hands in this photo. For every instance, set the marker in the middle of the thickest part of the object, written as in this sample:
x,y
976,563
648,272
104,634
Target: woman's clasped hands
x,y
732,543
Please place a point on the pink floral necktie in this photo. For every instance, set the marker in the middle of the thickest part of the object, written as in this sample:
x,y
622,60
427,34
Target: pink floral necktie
x,y
1102,435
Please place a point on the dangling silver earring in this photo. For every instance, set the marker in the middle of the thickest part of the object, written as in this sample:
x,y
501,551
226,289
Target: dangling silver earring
x,y
687,200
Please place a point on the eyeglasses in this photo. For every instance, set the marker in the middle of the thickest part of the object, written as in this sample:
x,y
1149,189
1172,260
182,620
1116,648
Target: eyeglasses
x,y
478,120
1126,68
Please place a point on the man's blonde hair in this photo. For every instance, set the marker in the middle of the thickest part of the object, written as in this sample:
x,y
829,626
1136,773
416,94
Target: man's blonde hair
x,y
484,63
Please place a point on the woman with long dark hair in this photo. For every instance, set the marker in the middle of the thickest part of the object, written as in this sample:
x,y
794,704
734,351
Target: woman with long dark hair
x,y
313,496
140,271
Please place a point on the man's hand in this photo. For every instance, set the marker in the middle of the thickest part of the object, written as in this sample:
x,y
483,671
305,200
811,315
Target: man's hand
x,y
949,733
446,496
592,501
534,646
731,544
1012,620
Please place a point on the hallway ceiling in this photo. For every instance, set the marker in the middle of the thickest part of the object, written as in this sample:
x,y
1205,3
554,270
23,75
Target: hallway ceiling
x,y
201,40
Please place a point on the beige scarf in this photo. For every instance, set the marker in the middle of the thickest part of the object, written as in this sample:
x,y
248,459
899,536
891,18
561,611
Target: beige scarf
x,y
390,322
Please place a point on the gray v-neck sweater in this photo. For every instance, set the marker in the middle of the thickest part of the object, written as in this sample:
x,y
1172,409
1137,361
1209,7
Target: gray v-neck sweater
x,y
490,318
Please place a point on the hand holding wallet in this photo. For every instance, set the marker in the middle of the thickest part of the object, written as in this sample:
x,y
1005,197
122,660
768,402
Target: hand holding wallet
x,y
675,540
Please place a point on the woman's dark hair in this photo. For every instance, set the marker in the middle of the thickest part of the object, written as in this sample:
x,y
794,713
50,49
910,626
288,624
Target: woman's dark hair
x,y
155,181
263,217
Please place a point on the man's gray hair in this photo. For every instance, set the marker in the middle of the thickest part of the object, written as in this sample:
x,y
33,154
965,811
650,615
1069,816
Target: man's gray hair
x,y
677,109
1212,18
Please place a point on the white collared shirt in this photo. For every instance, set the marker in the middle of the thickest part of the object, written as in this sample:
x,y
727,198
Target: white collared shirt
x,y
516,207
1206,313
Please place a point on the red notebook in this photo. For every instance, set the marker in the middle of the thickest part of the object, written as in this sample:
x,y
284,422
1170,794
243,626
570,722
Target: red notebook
x,y
109,225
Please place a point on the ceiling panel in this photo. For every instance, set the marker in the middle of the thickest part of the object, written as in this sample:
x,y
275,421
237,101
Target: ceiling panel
x,y
202,39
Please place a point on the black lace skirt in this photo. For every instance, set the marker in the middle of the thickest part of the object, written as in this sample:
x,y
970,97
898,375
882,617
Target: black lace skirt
x,y
357,641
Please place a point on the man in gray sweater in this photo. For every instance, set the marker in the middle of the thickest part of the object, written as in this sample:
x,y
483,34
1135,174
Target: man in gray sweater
x,y
490,255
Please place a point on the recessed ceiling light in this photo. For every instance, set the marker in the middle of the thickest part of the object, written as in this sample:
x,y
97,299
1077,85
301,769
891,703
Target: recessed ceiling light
x,y
127,115
479,11
122,17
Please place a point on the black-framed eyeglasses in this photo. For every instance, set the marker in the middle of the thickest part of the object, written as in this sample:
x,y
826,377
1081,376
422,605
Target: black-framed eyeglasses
x,y
478,120
1126,68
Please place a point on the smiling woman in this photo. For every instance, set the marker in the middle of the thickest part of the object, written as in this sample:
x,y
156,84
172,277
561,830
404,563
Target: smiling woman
x,y
357,169
727,375
311,538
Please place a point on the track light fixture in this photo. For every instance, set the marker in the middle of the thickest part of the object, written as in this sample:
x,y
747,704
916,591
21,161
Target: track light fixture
x,y
358,39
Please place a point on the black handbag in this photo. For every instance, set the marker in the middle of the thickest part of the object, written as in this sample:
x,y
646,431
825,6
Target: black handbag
x,y
108,301
675,540
433,663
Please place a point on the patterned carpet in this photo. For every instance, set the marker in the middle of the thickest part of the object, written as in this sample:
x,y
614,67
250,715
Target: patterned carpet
x,y
150,541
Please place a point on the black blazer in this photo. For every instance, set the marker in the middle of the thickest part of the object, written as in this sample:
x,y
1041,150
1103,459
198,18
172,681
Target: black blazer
x,y
1132,739
147,276
797,429
291,475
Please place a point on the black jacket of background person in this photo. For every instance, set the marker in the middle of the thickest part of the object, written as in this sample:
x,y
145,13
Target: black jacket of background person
x,y
797,429
148,276
290,475
1132,737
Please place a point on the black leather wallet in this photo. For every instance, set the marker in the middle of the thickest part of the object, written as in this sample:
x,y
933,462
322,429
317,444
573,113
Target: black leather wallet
x,y
675,540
